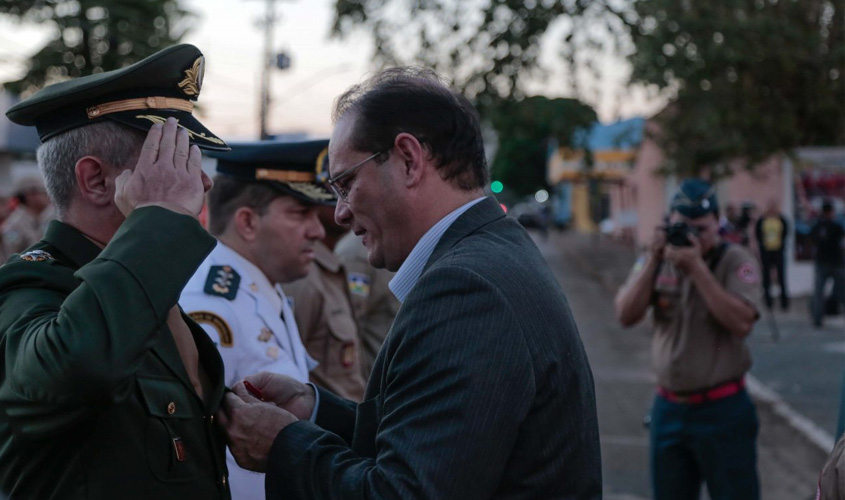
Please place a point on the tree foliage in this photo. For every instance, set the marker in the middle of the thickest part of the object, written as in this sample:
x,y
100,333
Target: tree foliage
x,y
490,49
525,128
746,78
750,77
92,36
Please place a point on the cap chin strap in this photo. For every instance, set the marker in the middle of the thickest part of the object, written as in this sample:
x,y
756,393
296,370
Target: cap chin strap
x,y
154,102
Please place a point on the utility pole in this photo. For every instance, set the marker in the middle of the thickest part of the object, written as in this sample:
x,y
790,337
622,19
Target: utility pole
x,y
269,60
269,25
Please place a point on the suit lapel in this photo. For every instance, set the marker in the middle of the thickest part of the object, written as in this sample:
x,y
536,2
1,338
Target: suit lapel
x,y
479,215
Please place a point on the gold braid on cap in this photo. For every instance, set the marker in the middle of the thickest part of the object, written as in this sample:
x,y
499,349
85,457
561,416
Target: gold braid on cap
x,y
153,102
191,133
311,191
266,174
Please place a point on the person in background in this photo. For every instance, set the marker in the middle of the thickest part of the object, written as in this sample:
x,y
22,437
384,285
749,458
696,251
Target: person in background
x,y
771,232
263,212
107,389
704,296
828,237
373,303
744,222
324,316
26,225
728,223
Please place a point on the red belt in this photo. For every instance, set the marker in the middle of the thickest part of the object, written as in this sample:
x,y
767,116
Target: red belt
x,y
697,397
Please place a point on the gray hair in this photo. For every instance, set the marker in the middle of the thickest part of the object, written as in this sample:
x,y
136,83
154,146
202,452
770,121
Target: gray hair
x,y
114,144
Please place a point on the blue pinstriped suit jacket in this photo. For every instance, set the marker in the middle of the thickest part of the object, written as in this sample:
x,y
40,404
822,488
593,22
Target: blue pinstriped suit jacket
x,y
481,390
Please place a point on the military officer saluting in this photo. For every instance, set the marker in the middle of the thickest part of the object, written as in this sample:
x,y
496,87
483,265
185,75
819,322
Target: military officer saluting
x,y
263,211
107,389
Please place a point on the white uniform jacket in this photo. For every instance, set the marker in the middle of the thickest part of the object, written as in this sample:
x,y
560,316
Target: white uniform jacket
x,y
254,328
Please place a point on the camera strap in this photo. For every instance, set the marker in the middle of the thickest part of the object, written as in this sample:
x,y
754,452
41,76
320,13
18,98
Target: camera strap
x,y
718,253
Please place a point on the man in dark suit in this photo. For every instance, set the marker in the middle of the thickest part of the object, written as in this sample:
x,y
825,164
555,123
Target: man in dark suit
x,y
107,390
482,388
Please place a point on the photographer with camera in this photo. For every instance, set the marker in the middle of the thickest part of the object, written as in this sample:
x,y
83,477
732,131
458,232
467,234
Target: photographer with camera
x,y
704,296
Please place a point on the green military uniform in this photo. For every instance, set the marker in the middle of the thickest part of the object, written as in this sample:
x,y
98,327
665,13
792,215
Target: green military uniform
x,y
106,390
96,401
327,326
373,303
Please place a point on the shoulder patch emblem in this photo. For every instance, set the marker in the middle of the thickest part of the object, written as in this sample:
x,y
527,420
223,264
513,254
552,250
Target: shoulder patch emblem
x,y
219,324
36,256
747,274
223,282
359,284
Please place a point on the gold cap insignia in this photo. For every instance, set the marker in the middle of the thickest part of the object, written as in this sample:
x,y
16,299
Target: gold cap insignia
x,y
321,168
192,83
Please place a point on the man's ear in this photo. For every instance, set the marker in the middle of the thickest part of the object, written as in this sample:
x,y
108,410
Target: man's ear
x,y
245,222
96,185
413,156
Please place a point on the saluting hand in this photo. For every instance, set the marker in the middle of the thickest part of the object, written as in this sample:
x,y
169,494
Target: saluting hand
x,y
168,173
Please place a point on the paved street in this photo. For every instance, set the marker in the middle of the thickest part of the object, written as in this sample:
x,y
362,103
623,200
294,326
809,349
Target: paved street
x,y
801,371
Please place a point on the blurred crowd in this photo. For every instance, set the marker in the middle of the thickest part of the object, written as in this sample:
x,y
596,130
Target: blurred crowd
x,y
767,234
25,210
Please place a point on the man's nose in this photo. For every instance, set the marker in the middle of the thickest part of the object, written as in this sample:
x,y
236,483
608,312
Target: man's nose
x,y
342,214
316,231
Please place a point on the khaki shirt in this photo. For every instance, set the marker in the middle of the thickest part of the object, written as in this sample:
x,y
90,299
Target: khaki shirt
x,y
327,326
690,349
23,229
374,304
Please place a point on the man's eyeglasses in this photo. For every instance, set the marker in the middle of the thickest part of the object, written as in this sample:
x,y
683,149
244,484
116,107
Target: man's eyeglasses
x,y
340,187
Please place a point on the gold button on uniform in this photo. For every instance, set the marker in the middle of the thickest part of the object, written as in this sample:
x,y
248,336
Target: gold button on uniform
x,y
211,419
223,480
171,408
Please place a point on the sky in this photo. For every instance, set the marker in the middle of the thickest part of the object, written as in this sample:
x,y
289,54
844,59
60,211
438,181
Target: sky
x,y
229,34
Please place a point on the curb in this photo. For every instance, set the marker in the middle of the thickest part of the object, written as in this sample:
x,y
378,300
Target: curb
x,y
800,423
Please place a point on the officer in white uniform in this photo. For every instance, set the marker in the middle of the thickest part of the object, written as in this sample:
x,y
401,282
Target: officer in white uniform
x,y
262,210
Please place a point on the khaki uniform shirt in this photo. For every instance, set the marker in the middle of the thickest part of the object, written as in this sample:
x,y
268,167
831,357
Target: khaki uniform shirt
x,y
23,229
690,349
373,303
324,316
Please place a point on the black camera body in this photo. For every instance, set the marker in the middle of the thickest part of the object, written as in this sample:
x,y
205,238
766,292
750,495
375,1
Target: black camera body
x,y
677,234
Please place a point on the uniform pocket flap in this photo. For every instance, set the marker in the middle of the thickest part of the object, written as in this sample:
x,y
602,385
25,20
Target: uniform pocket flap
x,y
165,398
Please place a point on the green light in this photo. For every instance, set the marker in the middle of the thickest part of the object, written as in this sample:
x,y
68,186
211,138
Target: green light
x,y
496,186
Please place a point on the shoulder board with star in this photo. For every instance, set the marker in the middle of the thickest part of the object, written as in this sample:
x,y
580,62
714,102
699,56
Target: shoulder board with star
x,y
222,281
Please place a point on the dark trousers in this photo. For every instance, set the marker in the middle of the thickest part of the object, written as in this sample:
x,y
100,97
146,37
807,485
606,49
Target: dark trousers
x,y
713,442
769,261
822,274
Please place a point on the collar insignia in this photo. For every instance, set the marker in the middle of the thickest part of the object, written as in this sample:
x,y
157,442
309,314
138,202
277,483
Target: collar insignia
x,y
36,256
